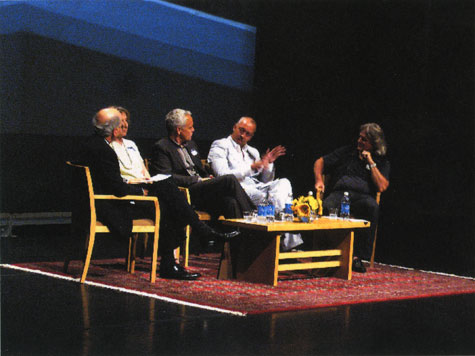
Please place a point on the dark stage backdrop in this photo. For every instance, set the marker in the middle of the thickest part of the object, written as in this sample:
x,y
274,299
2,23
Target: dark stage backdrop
x,y
325,67
322,69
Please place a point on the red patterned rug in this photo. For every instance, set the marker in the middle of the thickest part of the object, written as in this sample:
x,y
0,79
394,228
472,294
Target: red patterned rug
x,y
295,291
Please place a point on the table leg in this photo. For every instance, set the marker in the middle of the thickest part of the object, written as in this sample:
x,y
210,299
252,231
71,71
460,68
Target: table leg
x,y
346,246
225,270
258,259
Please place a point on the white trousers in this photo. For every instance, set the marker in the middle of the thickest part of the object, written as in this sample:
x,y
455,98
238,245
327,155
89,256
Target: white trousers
x,y
278,191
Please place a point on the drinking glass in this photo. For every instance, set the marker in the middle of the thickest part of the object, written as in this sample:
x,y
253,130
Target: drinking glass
x,y
333,213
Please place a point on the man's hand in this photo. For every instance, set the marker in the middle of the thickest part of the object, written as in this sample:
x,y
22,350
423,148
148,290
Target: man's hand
x,y
366,155
318,170
258,165
319,185
271,156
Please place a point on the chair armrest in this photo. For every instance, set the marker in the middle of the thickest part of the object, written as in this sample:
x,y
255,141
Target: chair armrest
x,y
133,197
126,197
186,191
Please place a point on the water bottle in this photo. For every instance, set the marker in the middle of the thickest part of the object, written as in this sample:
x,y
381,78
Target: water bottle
x,y
270,210
262,211
289,214
345,206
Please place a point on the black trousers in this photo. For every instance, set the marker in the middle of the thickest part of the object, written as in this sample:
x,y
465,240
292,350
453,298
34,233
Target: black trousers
x,y
362,206
221,196
175,214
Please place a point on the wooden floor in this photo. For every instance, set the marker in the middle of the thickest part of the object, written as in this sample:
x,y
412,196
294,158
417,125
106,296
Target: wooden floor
x,y
46,316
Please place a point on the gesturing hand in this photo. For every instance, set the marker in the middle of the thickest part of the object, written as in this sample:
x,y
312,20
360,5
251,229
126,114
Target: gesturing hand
x,y
276,152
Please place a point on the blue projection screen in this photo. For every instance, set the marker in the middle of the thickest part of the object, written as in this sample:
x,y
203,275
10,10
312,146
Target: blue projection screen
x,y
151,32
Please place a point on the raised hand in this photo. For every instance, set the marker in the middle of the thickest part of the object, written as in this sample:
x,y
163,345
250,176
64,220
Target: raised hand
x,y
276,152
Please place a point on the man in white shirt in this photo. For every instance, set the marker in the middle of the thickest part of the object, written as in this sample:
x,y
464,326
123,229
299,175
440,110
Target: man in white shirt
x,y
232,155
132,167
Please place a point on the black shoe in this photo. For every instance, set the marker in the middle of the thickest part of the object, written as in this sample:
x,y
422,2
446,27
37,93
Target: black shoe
x,y
178,272
222,236
358,266
182,269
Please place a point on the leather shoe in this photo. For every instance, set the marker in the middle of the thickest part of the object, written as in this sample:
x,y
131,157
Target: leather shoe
x,y
223,236
178,272
182,269
358,266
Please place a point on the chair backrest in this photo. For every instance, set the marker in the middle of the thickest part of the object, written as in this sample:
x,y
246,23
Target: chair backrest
x,y
146,162
207,167
83,205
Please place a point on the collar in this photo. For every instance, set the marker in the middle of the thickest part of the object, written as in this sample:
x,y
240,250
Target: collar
x,y
236,145
176,143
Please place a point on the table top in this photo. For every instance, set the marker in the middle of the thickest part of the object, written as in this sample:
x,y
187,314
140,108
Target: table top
x,y
323,223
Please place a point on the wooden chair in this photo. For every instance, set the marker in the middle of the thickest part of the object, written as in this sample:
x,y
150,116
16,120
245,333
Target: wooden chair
x,y
371,264
326,179
95,226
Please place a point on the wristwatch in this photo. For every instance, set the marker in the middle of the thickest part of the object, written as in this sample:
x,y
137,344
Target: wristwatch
x,y
370,166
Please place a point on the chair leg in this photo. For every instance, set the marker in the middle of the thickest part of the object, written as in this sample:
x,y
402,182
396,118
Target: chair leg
x,y
90,244
186,248
131,255
153,272
187,244
145,244
371,263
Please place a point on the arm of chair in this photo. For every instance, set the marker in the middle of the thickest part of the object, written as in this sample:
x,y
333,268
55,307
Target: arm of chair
x,y
186,191
126,197
133,197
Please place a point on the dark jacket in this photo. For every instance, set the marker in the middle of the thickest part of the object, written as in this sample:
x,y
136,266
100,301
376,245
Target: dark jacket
x,y
167,160
106,179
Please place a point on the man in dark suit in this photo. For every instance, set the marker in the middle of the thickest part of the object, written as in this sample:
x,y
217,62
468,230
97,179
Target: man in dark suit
x,y
175,212
178,155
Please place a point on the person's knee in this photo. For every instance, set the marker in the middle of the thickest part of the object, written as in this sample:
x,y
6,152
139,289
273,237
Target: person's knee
x,y
369,204
367,208
284,185
332,201
229,180
256,196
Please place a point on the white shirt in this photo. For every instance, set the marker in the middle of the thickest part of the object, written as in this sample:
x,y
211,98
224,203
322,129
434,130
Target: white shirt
x,y
227,157
130,160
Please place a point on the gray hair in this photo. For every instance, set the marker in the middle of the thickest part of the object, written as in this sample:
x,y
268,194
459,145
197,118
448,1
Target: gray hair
x,y
176,118
376,136
105,129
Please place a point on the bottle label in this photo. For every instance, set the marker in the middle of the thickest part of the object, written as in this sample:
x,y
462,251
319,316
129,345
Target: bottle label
x,y
288,208
270,210
261,210
345,209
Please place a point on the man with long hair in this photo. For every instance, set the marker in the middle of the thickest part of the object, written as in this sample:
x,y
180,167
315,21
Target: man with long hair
x,y
361,171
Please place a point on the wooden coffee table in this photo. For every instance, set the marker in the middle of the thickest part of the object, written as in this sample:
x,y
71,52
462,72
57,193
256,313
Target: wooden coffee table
x,y
258,259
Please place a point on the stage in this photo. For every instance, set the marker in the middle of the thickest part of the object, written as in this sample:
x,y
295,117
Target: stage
x,y
42,315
